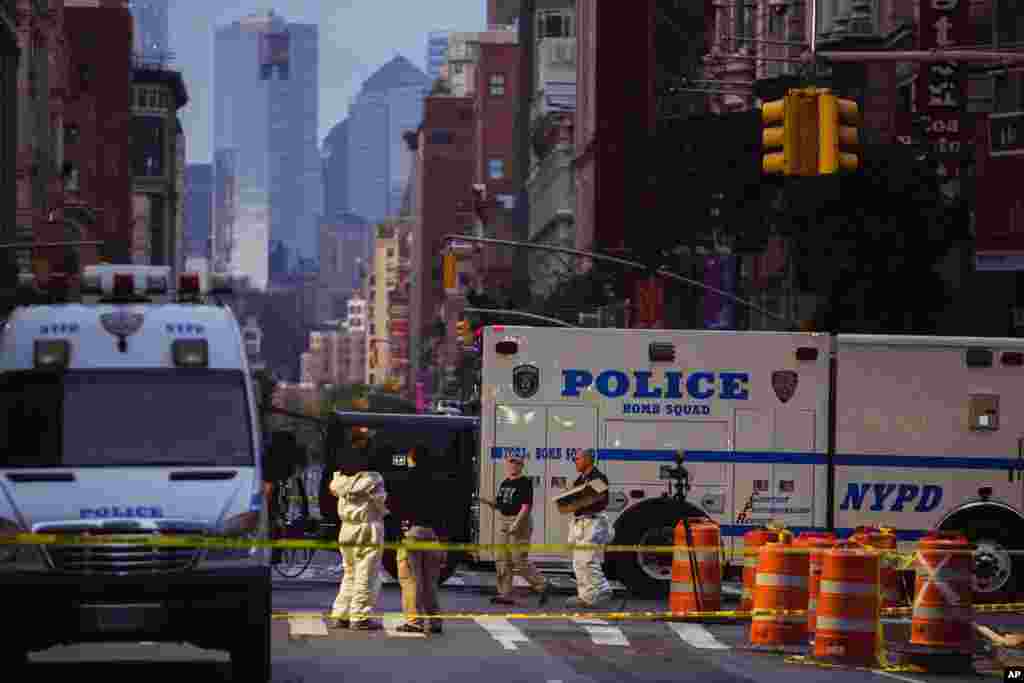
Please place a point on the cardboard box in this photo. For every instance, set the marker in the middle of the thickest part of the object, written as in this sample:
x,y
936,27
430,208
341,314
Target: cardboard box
x,y
580,496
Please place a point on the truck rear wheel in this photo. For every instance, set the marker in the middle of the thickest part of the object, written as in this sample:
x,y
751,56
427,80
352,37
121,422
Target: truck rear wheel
x,y
997,537
648,574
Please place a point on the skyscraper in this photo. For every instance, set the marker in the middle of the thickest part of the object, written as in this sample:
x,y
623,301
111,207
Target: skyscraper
x,y
150,35
198,210
389,104
265,124
437,53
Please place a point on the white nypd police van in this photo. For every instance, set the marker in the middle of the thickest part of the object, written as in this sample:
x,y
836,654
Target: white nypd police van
x,y
809,430
134,416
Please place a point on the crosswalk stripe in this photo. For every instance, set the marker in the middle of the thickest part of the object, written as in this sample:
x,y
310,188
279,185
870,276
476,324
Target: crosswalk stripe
x,y
503,631
601,633
697,636
307,626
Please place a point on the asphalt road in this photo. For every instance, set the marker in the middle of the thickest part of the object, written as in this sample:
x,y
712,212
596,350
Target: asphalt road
x,y
503,651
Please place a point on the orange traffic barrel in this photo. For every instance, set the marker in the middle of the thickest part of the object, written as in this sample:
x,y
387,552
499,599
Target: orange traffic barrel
x,y
883,540
752,542
696,569
781,586
817,542
943,598
848,610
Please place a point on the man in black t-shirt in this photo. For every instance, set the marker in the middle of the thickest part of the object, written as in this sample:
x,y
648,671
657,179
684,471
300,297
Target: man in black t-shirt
x,y
590,526
514,504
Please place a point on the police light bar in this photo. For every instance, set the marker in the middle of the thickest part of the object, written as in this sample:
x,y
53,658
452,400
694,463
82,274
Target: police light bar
x,y
126,281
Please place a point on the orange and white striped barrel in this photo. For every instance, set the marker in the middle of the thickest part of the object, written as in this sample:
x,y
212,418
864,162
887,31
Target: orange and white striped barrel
x,y
884,540
752,542
697,585
781,586
943,596
816,542
848,610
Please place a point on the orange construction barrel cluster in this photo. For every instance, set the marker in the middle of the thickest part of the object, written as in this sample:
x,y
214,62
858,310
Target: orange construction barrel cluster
x,y
849,604
883,539
817,542
696,569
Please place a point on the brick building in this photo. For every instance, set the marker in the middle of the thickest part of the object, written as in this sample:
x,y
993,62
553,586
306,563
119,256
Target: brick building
x,y
8,127
97,118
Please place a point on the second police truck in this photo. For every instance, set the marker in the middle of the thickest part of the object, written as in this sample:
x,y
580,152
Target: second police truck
x,y
810,430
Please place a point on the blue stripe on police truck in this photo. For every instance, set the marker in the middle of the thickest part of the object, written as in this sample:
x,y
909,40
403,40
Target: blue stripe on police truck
x,y
769,457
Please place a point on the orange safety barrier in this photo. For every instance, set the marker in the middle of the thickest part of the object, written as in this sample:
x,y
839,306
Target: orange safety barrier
x,y
883,539
848,613
817,541
781,586
752,542
943,596
696,571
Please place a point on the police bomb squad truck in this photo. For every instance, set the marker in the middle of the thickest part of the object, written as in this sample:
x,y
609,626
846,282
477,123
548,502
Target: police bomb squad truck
x,y
808,430
132,413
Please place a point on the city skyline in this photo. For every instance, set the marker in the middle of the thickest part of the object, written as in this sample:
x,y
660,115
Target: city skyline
x,y
347,43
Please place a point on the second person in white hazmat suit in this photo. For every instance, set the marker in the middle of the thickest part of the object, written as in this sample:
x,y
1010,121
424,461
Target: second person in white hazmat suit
x,y
362,507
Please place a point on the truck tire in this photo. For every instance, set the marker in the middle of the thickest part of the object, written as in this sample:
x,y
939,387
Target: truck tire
x,y
250,651
996,532
647,575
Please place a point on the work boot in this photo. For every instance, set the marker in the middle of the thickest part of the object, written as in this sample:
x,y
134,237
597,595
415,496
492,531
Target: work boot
x,y
545,595
366,625
502,600
577,602
436,627
336,622
410,628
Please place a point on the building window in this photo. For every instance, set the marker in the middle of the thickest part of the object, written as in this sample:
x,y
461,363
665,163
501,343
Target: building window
x,y
84,77
71,134
497,83
71,180
554,24
496,169
148,146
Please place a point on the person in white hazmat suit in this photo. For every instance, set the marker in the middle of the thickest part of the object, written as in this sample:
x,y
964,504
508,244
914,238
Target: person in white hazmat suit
x,y
362,507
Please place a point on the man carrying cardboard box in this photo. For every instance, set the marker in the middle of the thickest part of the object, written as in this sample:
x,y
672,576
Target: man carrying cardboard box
x,y
587,501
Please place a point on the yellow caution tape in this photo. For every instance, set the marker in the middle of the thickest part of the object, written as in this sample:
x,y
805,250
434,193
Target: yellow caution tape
x,y
228,542
889,668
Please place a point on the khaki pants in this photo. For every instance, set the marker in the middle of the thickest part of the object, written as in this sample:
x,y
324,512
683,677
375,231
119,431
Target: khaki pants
x,y
361,581
591,584
419,572
511,562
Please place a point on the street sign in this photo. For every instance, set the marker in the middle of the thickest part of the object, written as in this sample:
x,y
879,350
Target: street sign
x,y
1006,134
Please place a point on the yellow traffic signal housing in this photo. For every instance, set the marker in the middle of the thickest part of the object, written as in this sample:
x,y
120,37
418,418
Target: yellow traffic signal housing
x,y
797,133
450,265
838,121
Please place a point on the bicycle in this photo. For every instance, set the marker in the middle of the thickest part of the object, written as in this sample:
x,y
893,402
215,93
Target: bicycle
x,y
290,562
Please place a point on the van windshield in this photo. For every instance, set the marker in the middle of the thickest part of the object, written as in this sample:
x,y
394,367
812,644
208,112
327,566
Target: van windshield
x,y
89,418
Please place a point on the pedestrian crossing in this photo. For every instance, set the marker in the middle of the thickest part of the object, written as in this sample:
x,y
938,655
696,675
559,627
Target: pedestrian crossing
x,y
513,635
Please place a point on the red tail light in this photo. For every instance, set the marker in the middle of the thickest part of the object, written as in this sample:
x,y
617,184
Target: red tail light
x,y
188,283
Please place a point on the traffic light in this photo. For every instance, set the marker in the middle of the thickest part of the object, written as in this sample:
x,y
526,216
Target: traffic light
x,y
792,124
464,332
450,265
838,120
808,125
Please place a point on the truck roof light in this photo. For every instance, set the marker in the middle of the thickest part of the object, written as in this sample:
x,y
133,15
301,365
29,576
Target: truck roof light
x,y
190,353
661,352
978,358
507,347
52,353
124,285
188,284
221,283
806,353
91,282
1013,358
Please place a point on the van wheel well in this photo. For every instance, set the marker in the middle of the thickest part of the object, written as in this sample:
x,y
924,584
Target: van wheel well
x,y
996,532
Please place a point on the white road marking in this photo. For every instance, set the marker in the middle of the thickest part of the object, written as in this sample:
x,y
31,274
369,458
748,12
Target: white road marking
x,y
393,621
307,626
601,633
905,679
503,631
698,636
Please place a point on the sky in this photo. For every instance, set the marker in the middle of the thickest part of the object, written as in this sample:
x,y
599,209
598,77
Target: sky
x,y
357,37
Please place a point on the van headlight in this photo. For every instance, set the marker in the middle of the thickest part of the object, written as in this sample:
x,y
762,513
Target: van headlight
x,y
18,557
239,528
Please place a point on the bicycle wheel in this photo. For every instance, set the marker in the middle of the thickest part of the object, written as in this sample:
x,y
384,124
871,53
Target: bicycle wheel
x,y
293,561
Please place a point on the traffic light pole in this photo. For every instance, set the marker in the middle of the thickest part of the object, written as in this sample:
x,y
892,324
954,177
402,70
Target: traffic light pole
x,y
662,272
